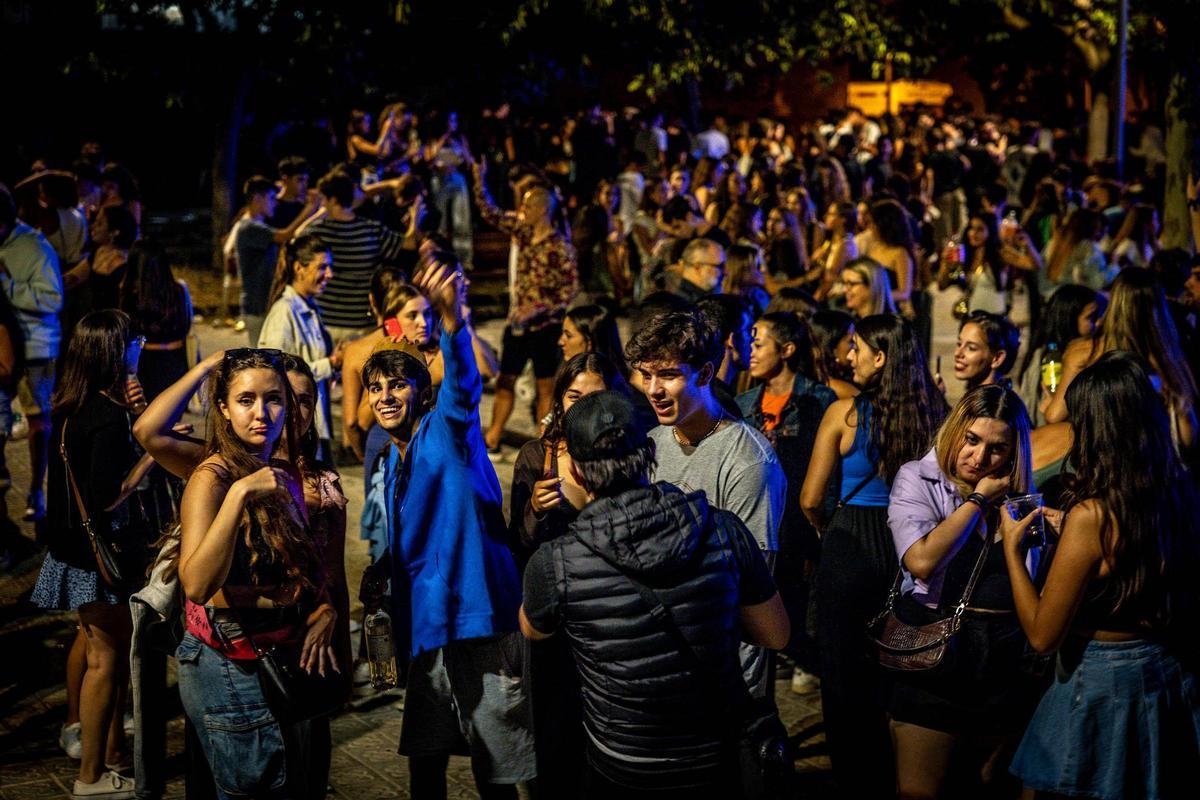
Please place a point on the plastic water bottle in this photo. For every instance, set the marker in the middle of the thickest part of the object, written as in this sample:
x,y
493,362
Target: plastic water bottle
x,y
1052,367
381,650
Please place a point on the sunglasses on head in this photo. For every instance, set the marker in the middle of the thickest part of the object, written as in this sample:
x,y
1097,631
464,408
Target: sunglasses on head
x,y
271,354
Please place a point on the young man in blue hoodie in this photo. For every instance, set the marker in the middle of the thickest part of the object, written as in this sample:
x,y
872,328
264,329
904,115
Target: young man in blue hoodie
x,y
455,586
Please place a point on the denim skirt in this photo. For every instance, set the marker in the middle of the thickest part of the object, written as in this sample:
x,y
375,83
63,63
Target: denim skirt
x,y
1121,720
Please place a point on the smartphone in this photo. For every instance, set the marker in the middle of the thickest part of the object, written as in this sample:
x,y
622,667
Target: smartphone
x,y
938,369
391,327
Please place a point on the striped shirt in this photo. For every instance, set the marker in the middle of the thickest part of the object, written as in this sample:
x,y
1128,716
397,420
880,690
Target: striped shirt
x,y
357,248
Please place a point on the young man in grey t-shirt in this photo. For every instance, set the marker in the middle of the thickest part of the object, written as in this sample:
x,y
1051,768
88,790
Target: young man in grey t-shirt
x,y
700,447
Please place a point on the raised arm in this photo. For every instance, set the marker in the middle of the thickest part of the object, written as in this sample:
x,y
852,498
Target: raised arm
x,y
154,429
462,386
491,214
209,519
922,540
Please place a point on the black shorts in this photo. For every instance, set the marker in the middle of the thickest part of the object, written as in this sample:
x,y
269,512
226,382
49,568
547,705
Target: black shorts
x,y
540,345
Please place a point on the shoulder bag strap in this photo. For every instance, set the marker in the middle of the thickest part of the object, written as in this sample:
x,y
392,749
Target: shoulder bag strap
x,y
856,489
83,512
976,571
663,616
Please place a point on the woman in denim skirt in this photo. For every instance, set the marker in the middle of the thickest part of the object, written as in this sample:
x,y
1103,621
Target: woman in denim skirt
x,y
1122,718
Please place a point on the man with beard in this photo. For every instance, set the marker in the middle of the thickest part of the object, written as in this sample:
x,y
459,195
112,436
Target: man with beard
x,y
455,587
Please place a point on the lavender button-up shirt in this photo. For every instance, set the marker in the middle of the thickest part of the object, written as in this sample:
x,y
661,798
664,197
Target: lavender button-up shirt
x,y
921,499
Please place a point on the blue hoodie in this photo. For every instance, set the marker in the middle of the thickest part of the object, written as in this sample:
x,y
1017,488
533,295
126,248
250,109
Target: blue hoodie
x,y
452,572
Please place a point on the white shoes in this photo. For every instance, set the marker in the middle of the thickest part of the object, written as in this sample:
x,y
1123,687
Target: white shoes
x,y
69,740
804,682
111,786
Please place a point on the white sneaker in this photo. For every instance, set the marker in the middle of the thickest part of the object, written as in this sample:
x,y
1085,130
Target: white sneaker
x,y
111,786
20,426
69,740
804,682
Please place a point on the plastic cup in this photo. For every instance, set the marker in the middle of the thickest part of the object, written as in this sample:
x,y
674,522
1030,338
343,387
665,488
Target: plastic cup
x,y
1020,507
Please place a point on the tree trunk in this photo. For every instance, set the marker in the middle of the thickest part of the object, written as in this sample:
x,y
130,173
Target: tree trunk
x,y
1098,117
1176,230
224,165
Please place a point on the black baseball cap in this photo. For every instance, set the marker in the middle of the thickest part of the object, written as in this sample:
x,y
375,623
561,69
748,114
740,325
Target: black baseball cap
x,y
594,417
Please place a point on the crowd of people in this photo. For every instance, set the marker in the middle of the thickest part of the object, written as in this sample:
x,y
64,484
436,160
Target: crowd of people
x,y
749,460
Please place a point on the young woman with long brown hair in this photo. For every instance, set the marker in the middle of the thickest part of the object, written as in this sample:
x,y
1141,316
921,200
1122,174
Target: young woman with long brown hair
x,y
870,436
1119,604
248,563
91,428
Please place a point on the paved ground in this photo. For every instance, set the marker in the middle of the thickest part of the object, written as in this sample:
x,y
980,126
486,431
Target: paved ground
x,y
33,648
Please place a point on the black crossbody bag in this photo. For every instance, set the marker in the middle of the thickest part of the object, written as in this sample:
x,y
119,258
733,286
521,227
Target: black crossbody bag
x,y
766,765
292,694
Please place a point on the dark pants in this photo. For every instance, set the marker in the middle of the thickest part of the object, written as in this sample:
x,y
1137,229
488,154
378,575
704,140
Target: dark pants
x,y
858,565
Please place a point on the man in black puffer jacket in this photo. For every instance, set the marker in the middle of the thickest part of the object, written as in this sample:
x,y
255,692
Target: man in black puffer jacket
x,y
654,590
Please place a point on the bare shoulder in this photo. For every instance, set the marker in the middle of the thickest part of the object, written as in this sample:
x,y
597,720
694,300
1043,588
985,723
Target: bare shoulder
x,y
1079,351
841,412
845,390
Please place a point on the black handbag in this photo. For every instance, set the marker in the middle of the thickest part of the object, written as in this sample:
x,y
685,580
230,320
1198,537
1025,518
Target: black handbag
x,y
292,694
121,564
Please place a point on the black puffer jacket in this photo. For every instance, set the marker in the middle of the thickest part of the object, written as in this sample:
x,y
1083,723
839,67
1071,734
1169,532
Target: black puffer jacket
x,y
650,715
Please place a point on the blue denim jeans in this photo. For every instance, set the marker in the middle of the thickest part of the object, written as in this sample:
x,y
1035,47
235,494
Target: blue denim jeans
x,y
251,755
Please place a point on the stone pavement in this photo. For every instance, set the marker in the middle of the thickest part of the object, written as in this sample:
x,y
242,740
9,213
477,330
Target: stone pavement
x,y
33,649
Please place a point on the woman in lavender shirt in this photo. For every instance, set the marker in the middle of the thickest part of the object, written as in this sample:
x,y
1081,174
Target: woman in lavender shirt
x,y
971,709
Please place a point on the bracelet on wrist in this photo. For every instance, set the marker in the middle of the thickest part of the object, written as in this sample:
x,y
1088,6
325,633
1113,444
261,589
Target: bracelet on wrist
x,y
979,500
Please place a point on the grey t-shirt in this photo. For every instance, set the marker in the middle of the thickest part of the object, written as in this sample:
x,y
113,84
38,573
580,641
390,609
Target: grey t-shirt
x,y
737,470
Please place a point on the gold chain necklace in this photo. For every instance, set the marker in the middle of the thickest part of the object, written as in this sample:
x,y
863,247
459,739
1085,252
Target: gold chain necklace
x,y
679,437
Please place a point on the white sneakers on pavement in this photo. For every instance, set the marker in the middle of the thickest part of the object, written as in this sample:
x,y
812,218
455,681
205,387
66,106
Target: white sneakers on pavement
x,y
69,740
111,786
804,682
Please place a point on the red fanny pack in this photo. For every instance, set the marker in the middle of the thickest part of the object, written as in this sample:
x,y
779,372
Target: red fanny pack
x,y
239,648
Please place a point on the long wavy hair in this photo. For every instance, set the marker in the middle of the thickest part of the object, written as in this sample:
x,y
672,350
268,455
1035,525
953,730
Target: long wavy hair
x,y
987,402
1122,457
907,408
271,526
594,363
95,361
1139,320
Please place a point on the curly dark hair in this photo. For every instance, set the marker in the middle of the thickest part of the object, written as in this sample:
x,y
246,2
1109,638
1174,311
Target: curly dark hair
x,y
907,407
1123,458
685,337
